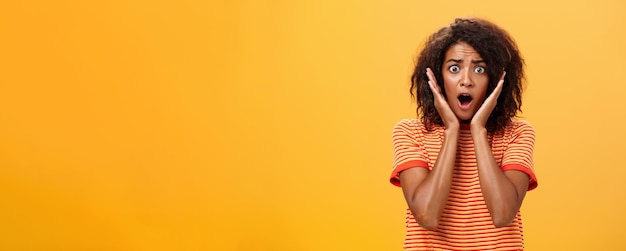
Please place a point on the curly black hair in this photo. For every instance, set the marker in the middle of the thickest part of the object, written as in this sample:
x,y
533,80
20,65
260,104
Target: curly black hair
x,y
497,49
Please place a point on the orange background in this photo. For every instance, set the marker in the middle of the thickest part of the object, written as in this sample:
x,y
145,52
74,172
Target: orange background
x,y
251,125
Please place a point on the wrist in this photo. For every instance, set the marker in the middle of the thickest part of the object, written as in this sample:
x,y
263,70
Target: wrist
x,y
452,130
452,126
478,131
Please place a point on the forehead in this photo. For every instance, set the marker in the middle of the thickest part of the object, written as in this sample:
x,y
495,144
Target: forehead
x,y
462,50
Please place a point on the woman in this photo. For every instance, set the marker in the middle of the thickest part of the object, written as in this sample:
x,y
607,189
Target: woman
x,y
465,165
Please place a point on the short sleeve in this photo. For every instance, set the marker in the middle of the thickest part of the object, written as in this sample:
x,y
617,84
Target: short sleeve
x,y
407,151
519,152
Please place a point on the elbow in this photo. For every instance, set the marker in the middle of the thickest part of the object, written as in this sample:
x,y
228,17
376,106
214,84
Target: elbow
x,y
502,216
427,219
425,214
502,221
428,223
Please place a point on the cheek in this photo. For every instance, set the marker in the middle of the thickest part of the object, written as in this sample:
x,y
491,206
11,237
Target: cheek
x,y
482,93
482,84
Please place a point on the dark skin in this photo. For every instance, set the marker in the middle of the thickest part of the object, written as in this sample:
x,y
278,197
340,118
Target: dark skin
x,y
426,192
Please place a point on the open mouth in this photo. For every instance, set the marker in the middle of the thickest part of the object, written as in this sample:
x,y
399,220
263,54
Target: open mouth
x,y
465,100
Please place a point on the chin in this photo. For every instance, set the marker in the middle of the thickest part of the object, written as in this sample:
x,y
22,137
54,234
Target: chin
x,y
465,118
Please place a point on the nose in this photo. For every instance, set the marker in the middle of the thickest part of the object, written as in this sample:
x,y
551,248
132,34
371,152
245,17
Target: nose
x,y
466,80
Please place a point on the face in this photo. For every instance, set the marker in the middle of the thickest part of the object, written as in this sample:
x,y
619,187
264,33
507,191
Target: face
x,y
465,80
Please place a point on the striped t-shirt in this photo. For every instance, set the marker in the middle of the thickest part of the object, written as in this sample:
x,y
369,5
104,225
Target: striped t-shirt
x,y
465,223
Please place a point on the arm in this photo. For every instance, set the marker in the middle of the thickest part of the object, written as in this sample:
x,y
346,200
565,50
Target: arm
x,y
426,192
503,191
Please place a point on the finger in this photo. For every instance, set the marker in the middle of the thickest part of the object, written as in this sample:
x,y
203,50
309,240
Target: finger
x,y
433,89
498,89
431,75
428,72
432,80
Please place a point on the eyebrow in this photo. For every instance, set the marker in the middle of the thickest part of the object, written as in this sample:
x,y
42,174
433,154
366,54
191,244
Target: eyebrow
x,y
461,60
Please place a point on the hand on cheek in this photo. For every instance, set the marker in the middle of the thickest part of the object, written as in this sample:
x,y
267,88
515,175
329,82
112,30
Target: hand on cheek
x,y
443,108
479,121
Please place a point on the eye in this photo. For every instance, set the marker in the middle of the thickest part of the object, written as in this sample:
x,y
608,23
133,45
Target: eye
x,y
454,68
479,69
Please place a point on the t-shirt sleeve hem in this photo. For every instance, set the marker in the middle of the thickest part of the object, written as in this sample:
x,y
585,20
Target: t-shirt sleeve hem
x,y
532,183
395,174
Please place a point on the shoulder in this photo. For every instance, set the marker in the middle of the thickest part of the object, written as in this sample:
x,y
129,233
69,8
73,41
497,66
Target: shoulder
x,y
520,123
519,128
408,128
409,123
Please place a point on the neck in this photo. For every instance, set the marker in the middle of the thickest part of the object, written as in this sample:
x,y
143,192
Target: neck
x,y
465,125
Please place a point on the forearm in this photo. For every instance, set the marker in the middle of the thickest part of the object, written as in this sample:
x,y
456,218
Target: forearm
x,y
500,194
429,198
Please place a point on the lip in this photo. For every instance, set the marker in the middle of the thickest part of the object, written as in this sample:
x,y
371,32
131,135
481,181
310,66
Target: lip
x,y
467,105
